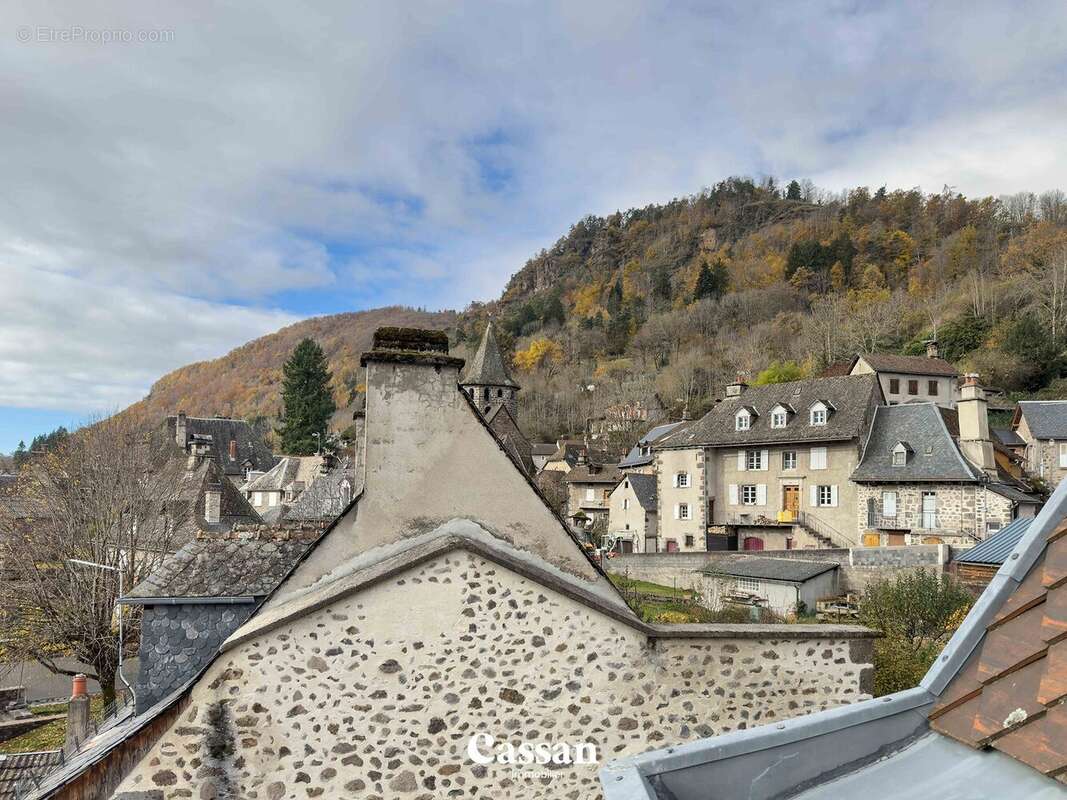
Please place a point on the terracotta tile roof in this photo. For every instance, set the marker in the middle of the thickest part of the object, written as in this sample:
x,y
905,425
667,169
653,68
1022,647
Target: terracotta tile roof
x,y
1012,693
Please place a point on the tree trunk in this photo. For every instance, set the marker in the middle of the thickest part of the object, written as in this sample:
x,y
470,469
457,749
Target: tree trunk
x,y
106,670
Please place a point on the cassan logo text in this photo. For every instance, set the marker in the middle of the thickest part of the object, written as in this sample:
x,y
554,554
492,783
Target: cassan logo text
x,y
484,749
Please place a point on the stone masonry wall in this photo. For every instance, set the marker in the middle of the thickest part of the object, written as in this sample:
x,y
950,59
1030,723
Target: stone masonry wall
x,y
965,509
859,565
177,640
378,694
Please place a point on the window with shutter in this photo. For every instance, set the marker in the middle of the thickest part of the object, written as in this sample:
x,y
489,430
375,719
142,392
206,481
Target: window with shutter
x,y
733,494
683,511
761,494
748,495
817,459
889,504
741,464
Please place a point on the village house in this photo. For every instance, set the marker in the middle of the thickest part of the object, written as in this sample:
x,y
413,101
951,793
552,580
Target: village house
x,y
1042,426
929,475
272,492
767,467
541,452
589,488
632,510
640,458
236,446
907,379
447,602
987,721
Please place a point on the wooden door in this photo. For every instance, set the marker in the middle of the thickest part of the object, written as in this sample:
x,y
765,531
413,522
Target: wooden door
x,y
672,546
791,499
753,543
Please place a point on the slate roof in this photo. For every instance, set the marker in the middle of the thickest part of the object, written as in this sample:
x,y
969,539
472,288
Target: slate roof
x,y
634,458
644,487
909,365
1010,692
1046,419
487,367
251,445
187,506
1008,437
996,548
596,473
791,570
18,767
850,395
926,428
290,471
543,448
326,497
249,562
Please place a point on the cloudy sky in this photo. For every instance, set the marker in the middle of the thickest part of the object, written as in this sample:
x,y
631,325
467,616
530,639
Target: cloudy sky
x,y
165,200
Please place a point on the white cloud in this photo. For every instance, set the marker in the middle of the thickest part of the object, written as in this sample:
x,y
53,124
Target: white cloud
x,y
420,152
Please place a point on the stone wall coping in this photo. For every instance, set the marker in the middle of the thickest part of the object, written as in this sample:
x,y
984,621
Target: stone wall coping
x,y
762,631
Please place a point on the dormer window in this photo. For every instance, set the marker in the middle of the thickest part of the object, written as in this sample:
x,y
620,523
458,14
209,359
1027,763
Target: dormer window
x,y
780,416
820,413
900,454
743,420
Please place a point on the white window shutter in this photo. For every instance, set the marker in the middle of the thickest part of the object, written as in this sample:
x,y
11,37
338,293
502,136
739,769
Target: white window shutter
x,y
761,494
676,480
1063,454
814,496
764,458
677,513
733,494
833,496
741,465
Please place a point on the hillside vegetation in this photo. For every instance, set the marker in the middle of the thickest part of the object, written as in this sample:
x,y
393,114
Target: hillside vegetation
x,y
747,277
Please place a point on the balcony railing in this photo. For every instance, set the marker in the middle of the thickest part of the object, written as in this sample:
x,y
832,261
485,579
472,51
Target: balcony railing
x,y
915,521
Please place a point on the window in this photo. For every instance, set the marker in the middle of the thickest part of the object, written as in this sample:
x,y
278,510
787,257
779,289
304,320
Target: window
x,y
750,585
929,510
817,458
900,457
789,459
590,494
931,388
889,504
894,385
913,388
754,459
681,480
827,496
1063,455
818,415
258,501
683,511
743,421
779,417
689,540
748,495
272,498
625,503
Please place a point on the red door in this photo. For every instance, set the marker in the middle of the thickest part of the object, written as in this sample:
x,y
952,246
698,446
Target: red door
x,y
672,546
753,543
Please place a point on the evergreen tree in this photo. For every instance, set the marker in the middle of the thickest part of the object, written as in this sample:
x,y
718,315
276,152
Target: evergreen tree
x,y
792,191
307,400
711,282
20,455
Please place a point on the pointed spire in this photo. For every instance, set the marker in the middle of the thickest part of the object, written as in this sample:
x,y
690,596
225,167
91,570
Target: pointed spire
x,y
487,367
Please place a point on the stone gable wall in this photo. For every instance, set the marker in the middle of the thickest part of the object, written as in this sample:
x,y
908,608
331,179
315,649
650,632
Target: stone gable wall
x,y
378,694
962,509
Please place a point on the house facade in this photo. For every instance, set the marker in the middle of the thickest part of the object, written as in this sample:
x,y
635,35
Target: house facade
x,y
929,475
1042,426
589,488
910,379
768,467
632,510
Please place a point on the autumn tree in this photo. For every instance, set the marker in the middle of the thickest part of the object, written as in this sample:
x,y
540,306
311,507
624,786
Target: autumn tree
x,y
542,352
306,399
107,495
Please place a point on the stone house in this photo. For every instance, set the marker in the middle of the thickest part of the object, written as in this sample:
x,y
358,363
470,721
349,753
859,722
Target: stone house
x,y
928,475
238,447
275,490
909,379
1042,426
589,488
632,510
448,607
767,467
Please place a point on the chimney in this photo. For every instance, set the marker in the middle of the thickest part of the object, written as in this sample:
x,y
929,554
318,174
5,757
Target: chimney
x,y
77,715
233,449
734,389
180,429
973,416
213,505
932,350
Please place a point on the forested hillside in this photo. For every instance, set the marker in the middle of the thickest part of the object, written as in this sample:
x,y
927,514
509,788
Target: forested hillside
x,y
673,300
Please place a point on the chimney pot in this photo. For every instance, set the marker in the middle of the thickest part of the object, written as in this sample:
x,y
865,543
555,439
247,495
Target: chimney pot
x,y
77,715
79,686
233,449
